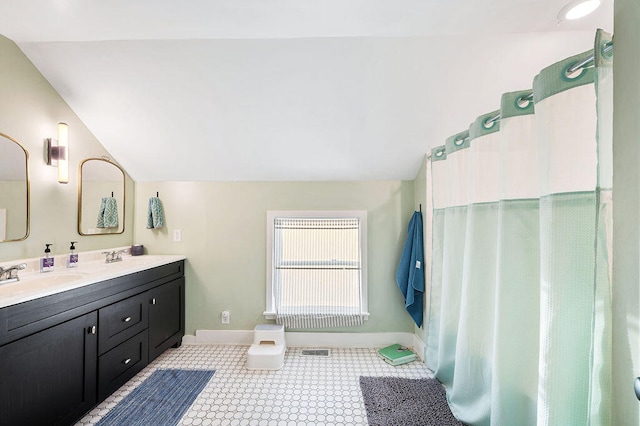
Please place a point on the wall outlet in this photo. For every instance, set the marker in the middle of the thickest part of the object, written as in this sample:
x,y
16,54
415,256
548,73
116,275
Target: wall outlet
x,y
177,235
224,317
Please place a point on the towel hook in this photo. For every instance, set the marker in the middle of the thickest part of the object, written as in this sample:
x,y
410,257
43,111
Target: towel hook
x,y
157,194
420,208
111,194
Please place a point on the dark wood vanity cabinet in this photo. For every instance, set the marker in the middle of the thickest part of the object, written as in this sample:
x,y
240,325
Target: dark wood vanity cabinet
x,y
62,354
166,317
50,377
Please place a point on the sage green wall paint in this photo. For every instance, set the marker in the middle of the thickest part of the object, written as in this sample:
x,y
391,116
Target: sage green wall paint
x,y
420,197
626,212
223,228
30,110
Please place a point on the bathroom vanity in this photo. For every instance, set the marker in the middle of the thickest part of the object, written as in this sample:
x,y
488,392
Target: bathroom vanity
x,y
84,334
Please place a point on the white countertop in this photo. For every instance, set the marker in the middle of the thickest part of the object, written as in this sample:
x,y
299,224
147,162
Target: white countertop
x,y
34,284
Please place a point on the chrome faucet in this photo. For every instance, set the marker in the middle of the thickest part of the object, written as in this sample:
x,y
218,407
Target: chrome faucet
x,y
113,256
109,257
10,274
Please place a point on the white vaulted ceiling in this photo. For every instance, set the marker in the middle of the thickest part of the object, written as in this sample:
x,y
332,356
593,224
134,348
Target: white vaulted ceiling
x,y
287,89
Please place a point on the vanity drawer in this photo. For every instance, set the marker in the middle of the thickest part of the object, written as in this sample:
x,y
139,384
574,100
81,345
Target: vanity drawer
x,y
121,321
121,363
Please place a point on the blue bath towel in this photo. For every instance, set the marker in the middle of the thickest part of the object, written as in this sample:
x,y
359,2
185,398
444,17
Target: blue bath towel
x,y
108,213
410,275
155,213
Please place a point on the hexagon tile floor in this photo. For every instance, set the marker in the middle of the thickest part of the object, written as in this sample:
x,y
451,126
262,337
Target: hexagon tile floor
x,y
308,390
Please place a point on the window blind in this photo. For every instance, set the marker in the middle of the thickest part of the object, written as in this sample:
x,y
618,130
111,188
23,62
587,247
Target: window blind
x,y
317,272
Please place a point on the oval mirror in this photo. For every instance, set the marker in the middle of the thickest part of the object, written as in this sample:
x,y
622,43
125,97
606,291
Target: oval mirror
x,y
101,197
14,190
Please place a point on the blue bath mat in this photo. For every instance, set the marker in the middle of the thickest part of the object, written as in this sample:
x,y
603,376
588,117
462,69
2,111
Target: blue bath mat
x,y
162,399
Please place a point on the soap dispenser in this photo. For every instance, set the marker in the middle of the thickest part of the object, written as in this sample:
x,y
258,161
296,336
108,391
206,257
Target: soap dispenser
x,y
72,257
46,263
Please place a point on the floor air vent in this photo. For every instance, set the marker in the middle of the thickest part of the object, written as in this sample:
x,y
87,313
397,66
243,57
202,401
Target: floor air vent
x,y
315,352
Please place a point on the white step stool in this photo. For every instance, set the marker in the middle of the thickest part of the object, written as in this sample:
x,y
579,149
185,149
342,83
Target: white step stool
x,y
267,350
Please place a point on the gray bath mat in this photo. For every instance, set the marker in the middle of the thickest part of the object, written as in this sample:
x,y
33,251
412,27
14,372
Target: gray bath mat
x,y
394,401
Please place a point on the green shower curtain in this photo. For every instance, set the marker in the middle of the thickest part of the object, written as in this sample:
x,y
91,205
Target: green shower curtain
x,y
519,316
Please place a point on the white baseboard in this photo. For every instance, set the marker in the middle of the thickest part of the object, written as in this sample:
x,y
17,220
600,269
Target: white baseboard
x,y
189,339
224,337
419,347
305,339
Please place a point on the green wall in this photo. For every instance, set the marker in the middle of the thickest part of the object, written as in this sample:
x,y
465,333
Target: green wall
x,y
626,212
223,227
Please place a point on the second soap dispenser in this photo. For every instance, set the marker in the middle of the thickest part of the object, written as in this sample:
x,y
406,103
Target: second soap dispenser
x,y
72,257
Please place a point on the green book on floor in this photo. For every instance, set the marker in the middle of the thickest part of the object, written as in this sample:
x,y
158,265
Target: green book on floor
x,y
396,354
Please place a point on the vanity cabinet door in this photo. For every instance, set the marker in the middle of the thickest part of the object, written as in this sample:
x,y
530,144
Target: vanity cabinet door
x,y
166,317
49,378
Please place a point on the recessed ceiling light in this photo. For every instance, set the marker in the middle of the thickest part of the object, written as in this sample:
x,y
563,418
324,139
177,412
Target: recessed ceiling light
x,y
577,9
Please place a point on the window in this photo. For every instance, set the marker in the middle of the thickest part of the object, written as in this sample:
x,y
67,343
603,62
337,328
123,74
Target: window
x,y
316,268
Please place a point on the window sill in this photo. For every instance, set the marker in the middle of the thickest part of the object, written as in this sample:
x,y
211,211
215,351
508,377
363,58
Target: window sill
x,y
272,315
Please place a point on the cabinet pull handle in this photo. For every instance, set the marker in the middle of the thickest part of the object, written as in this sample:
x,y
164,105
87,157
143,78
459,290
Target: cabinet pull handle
x,y
126,361
127,319
93,329
153,301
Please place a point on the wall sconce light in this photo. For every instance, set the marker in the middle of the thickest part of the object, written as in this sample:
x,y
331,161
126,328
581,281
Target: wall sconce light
x,y
57,152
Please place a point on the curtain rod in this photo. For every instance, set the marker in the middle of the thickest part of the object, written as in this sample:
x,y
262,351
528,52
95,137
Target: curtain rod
x,y
589,59
586,62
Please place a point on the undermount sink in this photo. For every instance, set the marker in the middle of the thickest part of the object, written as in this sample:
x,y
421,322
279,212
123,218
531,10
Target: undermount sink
x,y
51,278
139,260
37,281
57,279
100,267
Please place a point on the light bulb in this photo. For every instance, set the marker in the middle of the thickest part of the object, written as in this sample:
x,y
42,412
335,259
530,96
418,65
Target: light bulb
x,y
63,153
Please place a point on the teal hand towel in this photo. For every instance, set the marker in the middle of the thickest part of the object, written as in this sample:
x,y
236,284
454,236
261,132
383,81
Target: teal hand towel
x,y
155,213
108,213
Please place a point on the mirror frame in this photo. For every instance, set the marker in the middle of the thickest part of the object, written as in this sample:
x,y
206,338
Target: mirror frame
x,y
26,165
124,195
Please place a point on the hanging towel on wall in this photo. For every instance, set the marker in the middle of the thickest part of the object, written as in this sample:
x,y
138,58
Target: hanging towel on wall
x,y
108,213
410,275
155,213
